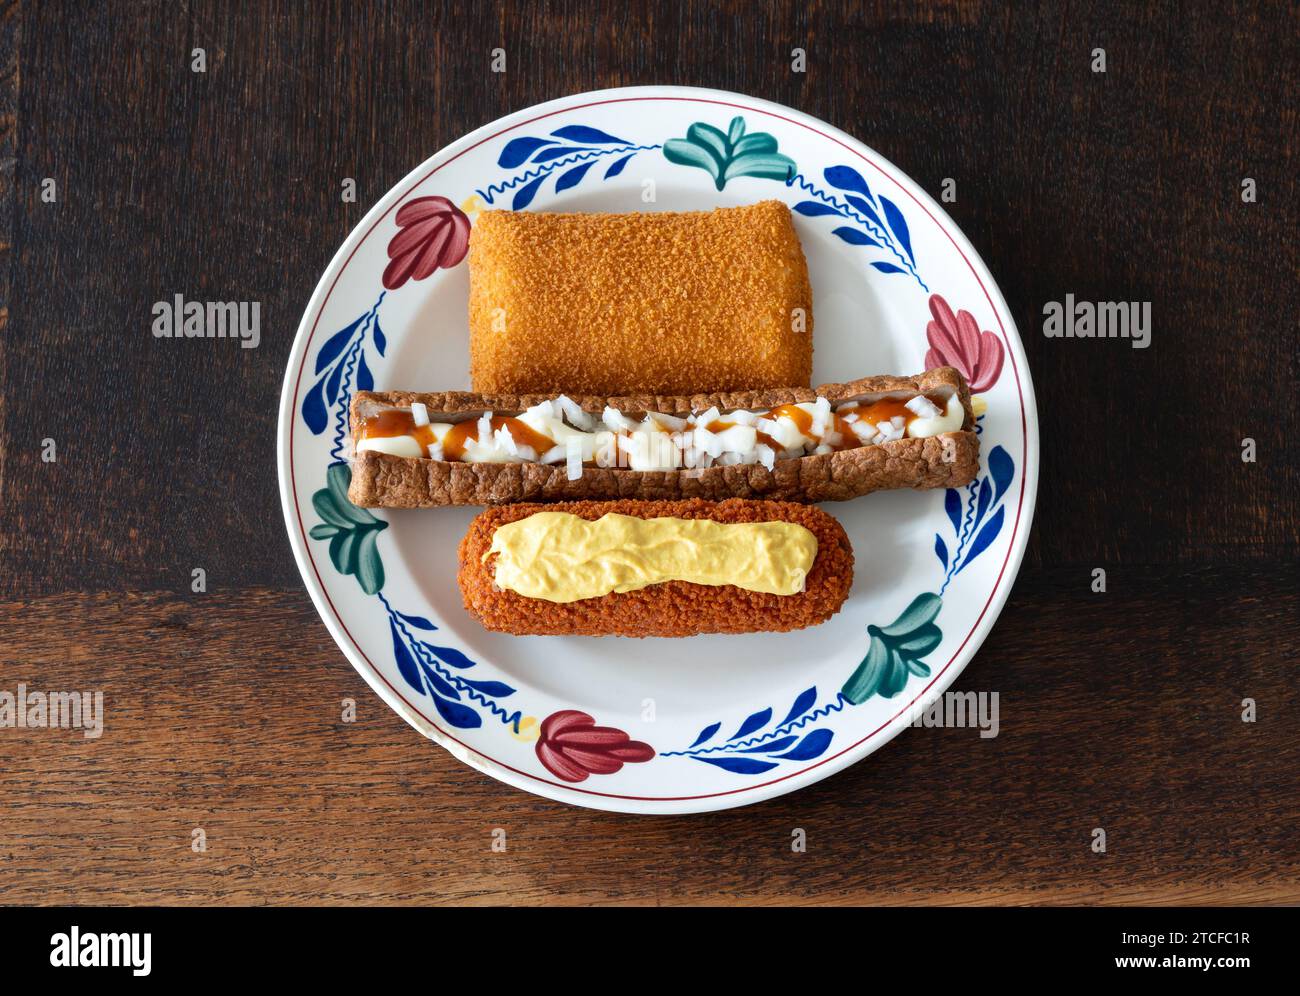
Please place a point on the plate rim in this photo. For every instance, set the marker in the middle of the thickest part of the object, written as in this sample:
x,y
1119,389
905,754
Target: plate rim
x,y
589,798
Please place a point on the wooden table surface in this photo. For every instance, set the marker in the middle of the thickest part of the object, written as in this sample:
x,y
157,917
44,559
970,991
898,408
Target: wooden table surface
x,y
1120,710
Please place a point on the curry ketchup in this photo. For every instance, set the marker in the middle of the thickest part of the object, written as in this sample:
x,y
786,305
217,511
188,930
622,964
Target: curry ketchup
x,y
397,422
400,422
803,421
888,408
453,444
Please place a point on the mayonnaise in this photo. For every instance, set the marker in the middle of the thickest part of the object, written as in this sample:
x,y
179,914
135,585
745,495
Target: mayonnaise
x,y
560,557
950,421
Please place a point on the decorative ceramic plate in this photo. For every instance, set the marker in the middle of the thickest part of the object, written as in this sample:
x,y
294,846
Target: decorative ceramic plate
x,y
710,721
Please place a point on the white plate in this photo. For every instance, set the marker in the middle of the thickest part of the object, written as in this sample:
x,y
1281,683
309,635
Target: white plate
x,y
713,721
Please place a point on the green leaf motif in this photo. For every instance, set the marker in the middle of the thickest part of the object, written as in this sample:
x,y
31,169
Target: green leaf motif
x,y
759,144
896,651
728,156
922,610
352,532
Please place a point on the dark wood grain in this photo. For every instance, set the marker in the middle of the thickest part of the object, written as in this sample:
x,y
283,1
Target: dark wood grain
x,y
1119,710
224,713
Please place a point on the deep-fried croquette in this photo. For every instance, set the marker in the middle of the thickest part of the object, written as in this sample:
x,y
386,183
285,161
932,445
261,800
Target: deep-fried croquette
x,y
667,303
673,608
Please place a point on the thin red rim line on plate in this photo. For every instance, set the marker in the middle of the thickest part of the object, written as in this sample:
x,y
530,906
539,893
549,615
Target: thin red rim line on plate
x,y
1024,442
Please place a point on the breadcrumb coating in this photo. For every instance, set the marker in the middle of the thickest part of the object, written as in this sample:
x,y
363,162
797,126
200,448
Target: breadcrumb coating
x,y
674,608
646,302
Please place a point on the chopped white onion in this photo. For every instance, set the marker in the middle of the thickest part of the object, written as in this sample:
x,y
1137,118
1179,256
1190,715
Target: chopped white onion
x,y
542,410
738,438
783,430
663,441
923,407
865,431
573,458
576,416
617,421
670,422
663,452
503,440
606,449
709,442
821,417
889,431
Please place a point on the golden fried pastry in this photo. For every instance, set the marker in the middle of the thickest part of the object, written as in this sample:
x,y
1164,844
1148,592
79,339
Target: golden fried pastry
x,y
660,303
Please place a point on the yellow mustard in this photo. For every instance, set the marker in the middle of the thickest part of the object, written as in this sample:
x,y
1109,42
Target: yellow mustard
x,y
561,557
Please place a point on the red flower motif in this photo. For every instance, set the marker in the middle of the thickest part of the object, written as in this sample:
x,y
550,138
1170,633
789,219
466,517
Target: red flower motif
x,y
956,341
434,232
572,746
